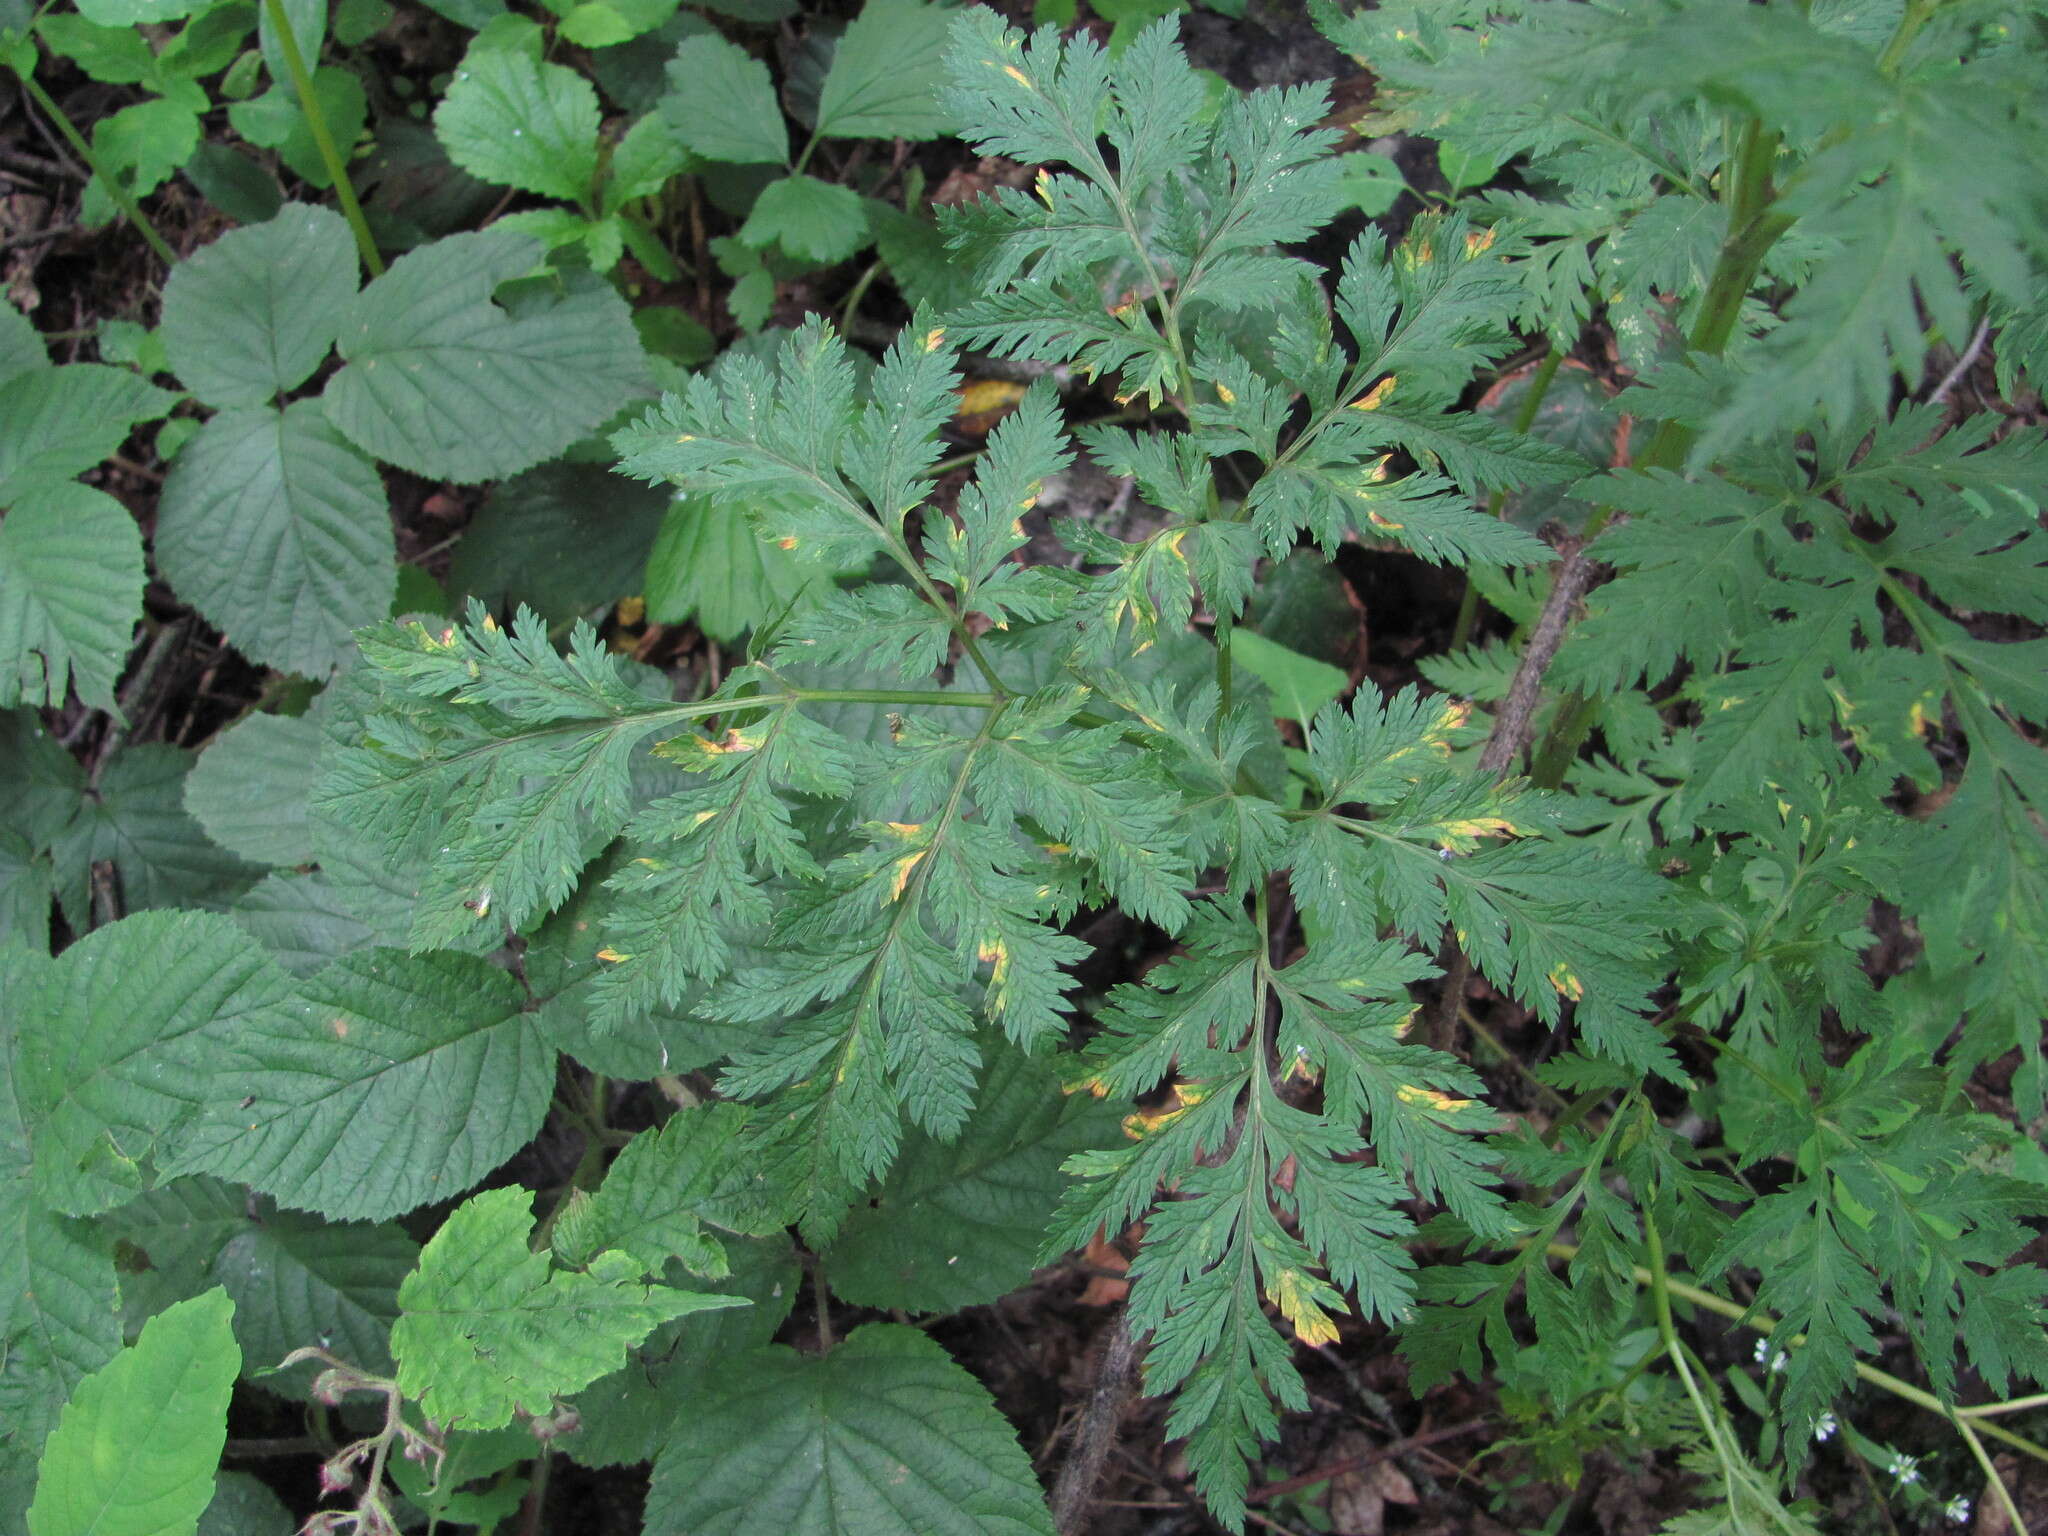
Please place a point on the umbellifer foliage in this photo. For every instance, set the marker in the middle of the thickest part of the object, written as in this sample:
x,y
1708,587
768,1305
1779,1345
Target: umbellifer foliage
x,y
846,880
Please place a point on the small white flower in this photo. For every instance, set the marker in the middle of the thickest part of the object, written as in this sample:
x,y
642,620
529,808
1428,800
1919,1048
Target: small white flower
x,y
1906,1469
1776,1359
1957,1509
1824,1427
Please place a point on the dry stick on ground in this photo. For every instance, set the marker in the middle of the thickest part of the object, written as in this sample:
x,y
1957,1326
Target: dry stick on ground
x,y
1510,736
1115,1380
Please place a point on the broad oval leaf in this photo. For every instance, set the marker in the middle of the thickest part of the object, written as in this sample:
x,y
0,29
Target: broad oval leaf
x,y
254,313
125,1039
390,1081
135,1451
886,73
512,120
958,1224
448,383
71,581
722,104
277,530
249,789
885,1435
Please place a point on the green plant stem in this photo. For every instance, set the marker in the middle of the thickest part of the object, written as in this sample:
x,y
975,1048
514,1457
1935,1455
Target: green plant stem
x,y
1667,1331
120,194
1532,402
1916,16
1991,1477
323,137
1754,226
1749,1318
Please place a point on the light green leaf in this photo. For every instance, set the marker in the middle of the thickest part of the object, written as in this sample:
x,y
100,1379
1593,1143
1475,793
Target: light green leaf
x,y
297,1280
1300,684
249,789
71,579
643,161
487,1329
663,1187
278,530
124,1040
813,219
275,120
607,23
1370,183
391,1080
708,564
956,1225
308,21
625,1416
135,1450
254,313
128,13
722,104
59,422
510,120
885,1435
449,384
886,73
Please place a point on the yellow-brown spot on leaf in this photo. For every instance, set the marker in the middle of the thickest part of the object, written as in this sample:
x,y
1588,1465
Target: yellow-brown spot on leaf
x,y
1294,1293
1224,394
934,338
733,741
338,1028
1383,522
899,880
1019,76
1429,1098
612,957
995,954
686,438
1478,243
1567,984
788,543
1375,397
1916,719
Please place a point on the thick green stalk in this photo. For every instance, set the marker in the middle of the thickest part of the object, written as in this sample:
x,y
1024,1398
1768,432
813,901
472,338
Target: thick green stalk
x,y
1753,228
120,194
323,137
